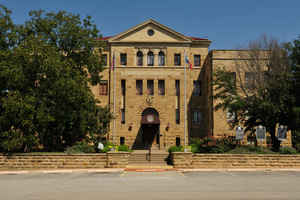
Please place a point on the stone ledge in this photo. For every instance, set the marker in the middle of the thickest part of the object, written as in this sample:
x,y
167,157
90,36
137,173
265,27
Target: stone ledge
x,y
64,161
189,160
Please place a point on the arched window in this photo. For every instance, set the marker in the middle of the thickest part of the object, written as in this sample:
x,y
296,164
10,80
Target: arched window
x,y
150,60
139,58
161,58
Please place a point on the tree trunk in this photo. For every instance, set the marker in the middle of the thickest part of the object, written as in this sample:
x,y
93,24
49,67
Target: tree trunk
x,y
275,141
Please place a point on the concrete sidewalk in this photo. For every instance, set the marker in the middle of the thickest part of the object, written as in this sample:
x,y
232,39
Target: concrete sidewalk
x,y
56,171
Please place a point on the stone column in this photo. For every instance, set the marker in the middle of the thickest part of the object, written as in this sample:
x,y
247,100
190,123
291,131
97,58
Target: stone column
x,y
155,54
145,57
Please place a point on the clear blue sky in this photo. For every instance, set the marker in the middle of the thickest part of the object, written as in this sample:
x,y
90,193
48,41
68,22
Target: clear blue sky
x,y
228,23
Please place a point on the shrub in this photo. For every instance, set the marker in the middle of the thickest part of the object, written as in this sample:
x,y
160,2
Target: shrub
x,y
208,145
297,147
175,149
80,147
105,149
287,150
108,146
200,145
123,148
250,150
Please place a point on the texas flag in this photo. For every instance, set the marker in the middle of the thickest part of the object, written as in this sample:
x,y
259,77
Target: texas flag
x,y
188,62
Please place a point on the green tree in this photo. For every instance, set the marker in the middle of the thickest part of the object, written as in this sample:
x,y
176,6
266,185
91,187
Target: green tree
x,y
266,97
47,67
294,55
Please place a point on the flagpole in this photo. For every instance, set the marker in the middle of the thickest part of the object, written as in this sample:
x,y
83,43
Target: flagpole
x,y
114,98
184,124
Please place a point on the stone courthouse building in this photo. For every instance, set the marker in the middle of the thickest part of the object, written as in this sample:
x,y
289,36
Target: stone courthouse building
x,y
144,85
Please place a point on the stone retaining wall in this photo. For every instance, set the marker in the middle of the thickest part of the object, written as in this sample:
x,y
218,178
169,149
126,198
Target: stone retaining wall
x,y
190,160
117,159
64,161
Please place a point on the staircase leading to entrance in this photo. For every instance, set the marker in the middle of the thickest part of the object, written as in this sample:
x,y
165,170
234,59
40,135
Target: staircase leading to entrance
x,y
142,158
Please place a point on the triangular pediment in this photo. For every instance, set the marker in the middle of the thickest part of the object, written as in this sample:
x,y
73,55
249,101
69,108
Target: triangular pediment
x,y
142,33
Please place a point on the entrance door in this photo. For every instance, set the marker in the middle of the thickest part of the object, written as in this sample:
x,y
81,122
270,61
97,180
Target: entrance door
x,y
150,135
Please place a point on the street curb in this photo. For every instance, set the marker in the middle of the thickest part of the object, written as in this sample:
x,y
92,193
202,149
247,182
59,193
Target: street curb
x,y
241,170
148,170
120,170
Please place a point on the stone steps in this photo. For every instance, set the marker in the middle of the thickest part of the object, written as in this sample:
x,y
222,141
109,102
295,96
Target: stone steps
x,y
142,157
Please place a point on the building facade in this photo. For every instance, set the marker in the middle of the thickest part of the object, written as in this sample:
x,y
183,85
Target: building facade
x,y
149,87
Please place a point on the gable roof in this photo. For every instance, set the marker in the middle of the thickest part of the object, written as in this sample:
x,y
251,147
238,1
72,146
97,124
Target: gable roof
x,y
182,37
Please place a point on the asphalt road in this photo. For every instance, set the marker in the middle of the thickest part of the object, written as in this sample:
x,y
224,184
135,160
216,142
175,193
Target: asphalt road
x,y
151,185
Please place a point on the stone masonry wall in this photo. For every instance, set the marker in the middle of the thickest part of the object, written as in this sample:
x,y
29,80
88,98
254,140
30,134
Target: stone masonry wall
x,y
64,161
189,160
117,159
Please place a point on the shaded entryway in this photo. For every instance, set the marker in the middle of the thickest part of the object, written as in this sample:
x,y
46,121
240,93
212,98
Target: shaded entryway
x,y
149,134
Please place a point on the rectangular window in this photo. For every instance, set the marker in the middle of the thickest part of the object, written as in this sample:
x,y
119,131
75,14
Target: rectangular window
x,y
122,140
123,59
161,58
177,87
197,60
197,88
103,87
123,116
178,141
104,59
123,87
139,87
250,80
150,87
177,59
177,116
196,117
161,87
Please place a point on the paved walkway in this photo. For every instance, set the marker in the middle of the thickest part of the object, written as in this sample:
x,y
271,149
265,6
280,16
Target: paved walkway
x,y
140,169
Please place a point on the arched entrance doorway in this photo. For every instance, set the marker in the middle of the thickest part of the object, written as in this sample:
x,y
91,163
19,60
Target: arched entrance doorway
x,y
150,128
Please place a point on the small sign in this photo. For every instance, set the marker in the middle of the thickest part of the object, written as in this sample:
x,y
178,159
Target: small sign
x,y
261,133
239,133
100,146
281,132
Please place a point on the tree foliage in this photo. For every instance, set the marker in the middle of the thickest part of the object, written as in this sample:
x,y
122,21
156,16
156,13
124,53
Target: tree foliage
x,y
294,54
262,94
47,66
